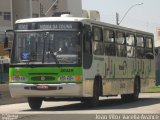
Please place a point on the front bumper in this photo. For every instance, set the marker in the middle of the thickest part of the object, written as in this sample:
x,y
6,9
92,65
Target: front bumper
x,y
53,90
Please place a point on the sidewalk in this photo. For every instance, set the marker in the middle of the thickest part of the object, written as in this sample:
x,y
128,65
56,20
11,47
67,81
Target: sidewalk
x,y
5,97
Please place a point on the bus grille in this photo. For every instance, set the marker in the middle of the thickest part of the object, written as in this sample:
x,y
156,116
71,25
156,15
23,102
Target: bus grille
x,y
43,78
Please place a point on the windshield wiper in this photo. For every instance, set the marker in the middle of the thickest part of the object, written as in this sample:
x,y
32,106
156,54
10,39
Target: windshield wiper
x,y
50,51
54,55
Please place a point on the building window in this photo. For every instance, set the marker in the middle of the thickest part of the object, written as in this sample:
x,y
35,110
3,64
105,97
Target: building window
x,y
158,33
35,15
35,0
7,16
1,13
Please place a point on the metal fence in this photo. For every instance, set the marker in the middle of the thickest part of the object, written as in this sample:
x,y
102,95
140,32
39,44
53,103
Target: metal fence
x,y
4,72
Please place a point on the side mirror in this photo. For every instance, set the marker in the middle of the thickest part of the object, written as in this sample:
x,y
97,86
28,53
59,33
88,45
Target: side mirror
x,y
6,39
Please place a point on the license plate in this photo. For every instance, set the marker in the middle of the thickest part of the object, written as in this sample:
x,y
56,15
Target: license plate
x,y
42,87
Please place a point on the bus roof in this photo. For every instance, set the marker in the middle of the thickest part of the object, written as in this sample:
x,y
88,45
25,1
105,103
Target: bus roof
x,y
50,19
80,19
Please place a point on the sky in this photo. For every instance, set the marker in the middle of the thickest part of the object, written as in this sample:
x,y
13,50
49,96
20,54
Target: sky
x,y
144,17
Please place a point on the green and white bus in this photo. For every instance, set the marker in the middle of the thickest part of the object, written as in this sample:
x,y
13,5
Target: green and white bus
x,y
79,58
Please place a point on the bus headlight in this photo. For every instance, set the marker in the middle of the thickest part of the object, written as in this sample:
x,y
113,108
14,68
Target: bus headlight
x,y
70,78
17,78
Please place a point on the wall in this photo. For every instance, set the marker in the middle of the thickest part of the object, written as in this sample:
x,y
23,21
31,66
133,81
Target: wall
x,y
40,7
72,6
4,7
157,40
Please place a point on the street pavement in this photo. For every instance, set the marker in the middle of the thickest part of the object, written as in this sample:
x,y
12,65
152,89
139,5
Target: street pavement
x,y
109,108
148,103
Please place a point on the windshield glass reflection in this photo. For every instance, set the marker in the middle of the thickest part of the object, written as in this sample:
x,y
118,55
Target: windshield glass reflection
x,y
46,48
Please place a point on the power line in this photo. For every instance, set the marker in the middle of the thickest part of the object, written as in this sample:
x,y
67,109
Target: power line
x,y
51,7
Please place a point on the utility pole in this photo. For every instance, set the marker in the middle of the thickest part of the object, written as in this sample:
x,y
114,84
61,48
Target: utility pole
x,y
41,10
73,7
54,3
117,18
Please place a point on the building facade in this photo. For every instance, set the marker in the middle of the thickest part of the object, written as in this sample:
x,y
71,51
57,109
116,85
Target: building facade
x,y
39,7
157,40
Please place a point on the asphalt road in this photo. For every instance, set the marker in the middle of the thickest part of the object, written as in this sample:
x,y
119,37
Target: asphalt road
x,y
149,103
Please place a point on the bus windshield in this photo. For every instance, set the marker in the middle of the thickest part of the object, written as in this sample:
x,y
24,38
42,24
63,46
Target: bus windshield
x,y
52,47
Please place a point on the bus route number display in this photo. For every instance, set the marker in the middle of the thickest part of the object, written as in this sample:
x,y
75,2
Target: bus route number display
x,y
48,26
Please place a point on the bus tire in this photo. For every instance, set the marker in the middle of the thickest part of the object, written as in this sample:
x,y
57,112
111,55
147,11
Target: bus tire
x,y
134,96
35,103
96,92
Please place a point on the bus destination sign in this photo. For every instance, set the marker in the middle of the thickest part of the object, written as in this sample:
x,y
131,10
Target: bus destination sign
x,y
55,26
48,26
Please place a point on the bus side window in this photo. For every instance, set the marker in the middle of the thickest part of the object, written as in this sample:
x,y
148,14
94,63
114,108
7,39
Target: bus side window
x,y
156,51
109,39
140,47
149,48
98,41
121,44
130,40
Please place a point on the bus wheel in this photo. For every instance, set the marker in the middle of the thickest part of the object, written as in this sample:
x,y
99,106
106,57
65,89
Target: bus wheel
x,y
134,96
34,103
95,99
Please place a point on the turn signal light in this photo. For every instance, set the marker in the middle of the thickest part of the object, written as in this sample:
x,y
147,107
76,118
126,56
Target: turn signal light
x,y
78,78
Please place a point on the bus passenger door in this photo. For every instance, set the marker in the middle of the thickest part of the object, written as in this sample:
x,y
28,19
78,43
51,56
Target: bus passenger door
x,y
87,61
149,64
87,47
